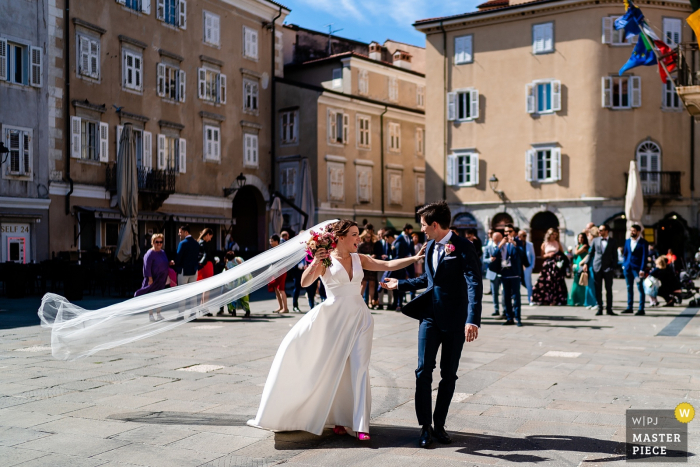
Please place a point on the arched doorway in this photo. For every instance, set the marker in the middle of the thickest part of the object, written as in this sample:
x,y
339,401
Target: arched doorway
x,y
500,220
540,223
671,234
464,221
249,213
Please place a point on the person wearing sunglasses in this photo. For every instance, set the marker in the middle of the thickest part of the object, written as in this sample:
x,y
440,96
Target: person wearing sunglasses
x,y
155,271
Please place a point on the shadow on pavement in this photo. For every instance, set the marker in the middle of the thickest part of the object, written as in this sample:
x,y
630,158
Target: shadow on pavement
x,y
182,418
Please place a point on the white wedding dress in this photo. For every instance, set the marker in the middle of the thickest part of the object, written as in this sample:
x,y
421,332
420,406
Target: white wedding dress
x,y
320,375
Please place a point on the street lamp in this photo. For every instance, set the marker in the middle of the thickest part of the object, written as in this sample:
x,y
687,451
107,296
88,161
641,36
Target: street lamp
x,y
240,183
241,180
493,183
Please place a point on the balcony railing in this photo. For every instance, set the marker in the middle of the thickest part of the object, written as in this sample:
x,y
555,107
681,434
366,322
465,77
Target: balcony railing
x,y
149,180
660,184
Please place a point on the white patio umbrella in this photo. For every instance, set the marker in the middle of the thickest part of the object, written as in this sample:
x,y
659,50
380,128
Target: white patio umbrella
x,y
276,218
634,199
307,204
127,196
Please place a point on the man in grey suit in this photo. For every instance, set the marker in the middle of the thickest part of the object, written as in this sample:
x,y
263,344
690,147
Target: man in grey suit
x,y
602,256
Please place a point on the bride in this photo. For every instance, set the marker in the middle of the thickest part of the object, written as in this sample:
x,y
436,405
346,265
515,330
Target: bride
x,y
320,375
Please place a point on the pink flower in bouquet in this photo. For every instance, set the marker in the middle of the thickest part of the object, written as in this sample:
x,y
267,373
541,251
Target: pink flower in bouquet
x,y
449,249
319,240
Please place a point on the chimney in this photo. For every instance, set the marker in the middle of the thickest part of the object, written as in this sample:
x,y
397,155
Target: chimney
x,y
402,59
375,51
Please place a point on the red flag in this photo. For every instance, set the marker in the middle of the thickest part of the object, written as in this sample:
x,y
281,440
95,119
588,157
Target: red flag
x,y
668,57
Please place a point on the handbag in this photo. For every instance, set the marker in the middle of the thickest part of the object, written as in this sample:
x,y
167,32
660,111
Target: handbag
x,y
583,279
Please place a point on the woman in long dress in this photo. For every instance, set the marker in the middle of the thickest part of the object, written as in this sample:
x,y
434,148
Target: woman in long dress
x,y
551,286
320,375
577,296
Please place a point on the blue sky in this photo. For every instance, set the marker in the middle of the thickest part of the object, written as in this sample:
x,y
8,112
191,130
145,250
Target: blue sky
x,y
368,20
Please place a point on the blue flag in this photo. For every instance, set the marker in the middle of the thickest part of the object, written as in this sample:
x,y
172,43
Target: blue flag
x,y
640,56
630,22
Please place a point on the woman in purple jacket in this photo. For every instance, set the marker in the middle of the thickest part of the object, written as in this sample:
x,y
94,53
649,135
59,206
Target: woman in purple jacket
x,y
155,271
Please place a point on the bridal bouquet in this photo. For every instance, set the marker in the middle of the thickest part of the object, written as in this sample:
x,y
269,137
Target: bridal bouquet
x,y
324,239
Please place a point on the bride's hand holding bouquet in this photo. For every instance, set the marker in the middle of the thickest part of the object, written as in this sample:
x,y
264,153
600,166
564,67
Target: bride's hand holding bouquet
x,y
319,247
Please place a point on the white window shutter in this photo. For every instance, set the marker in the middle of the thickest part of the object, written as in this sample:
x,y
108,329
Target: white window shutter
x,y
556,95
201,82
104,142
215,34
607,91
207,27
84,52
636,90
146,7
222,88
183,155
147,159
529,165
75,137
119,140
474,103
160,79
161,152
450,169
607,30
254,43
474,169
206,142
36,59
3,59
530,98
95,59
346,127
160,10
556,163
183,14
182,83
451,106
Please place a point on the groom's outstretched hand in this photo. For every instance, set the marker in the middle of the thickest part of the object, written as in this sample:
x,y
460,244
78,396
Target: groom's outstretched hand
x,y
390,284
471,332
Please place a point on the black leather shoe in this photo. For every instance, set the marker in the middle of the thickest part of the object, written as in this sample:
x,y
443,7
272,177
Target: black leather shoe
x,y
640,313
611,313
441,435
508,323
426,437
628,311
495,313
599,313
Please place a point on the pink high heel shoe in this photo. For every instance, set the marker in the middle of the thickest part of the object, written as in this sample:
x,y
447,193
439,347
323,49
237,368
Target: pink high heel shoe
x,y
363,436
339,430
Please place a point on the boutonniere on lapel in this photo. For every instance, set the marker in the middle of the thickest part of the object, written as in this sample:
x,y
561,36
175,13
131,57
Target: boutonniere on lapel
x,y
449,248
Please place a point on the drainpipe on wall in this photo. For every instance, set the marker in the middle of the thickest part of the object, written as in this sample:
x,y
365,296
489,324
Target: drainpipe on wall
x,y
444,97
273,113
66,102
381,153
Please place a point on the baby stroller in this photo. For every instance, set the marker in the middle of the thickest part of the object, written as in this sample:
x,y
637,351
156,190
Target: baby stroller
x,y
688,290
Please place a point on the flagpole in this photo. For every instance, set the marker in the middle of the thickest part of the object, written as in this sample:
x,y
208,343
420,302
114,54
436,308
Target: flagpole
x,y
656,53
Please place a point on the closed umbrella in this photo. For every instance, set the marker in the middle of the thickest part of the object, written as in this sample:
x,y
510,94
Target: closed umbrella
x,y
307,204
127,196
276,219
634,199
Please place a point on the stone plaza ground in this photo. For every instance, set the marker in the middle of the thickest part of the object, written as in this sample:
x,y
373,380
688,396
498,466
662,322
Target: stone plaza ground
x,y
552,393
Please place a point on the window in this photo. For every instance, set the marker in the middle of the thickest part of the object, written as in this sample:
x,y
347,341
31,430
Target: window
x,y
363,82
143,146
336,181
463,105
289,127
132,70
394,137
89,140
614,36
250,150
173,12
19,142
420,96
393,89
172,153
543,96
211,85
670,99
622,92
672,32
171,82
211,28
543,164
363,132
543,38
250,95
288,177
420,191
420,141
463,168
395,187
463,50
212,143
20,64
250,43
337,82
649,162
142,6
89,56
338,127
364,184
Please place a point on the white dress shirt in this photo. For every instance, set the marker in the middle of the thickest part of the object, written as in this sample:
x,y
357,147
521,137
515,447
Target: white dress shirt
x,y
633,243
439,249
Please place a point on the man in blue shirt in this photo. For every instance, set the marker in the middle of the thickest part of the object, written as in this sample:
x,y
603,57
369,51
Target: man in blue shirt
x,y
634,259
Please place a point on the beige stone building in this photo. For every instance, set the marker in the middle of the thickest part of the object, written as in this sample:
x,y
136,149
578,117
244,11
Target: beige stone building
x,y
194,79
529,92
356,118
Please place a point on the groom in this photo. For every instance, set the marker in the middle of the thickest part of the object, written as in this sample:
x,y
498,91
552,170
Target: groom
x,y
449,312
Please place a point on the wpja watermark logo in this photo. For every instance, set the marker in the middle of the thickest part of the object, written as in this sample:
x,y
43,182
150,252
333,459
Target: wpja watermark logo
x,y
658,435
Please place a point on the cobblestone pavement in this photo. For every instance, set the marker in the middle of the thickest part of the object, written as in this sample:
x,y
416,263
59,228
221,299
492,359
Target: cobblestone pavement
x,y
552,393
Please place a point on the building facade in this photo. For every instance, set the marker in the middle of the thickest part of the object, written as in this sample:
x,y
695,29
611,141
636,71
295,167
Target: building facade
x,y
357,121
194,80
531,123
25,132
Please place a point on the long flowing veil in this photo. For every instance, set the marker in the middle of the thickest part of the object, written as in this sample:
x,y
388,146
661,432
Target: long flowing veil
x,y
77,332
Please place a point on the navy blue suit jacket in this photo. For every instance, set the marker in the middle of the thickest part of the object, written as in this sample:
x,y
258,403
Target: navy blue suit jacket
x,y
517,256
401,248
452,298
635,260
187,259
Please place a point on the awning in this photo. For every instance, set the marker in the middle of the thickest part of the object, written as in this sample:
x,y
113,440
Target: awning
x,y
200,219
190,218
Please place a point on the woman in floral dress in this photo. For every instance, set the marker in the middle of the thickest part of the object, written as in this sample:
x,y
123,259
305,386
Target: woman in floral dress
x,y
551,287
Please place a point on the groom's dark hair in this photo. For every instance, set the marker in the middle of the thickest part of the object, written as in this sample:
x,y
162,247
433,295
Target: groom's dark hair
x,y
436,212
